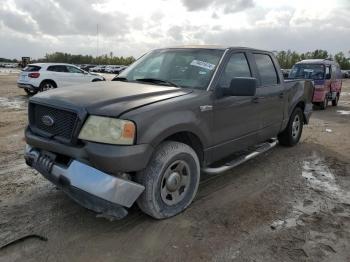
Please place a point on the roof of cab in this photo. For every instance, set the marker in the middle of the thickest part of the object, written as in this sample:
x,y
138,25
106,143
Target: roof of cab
x,y
218,47
317,61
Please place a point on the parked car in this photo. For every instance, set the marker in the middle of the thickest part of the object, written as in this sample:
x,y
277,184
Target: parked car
x,y
345,73
114,69
173,114
44,76
98,69
119,69
87,67
109,68
11,65
285,72
327,77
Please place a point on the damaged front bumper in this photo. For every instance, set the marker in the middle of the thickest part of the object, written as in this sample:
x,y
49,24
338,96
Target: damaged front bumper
x,y
86,185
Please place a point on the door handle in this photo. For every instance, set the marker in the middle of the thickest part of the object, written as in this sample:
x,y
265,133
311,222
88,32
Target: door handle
x,y
281,95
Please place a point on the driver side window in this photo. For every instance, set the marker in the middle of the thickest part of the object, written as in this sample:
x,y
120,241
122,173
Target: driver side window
x,y
237,66
72,69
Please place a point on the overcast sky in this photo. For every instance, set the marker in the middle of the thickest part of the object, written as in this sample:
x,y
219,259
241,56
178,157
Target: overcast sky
x,y
131,27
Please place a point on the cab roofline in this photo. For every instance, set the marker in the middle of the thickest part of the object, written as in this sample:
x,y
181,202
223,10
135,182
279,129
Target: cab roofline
x,y
215,47
317,61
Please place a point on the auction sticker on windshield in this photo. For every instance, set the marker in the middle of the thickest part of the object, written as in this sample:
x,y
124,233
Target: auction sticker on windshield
x,y
202,64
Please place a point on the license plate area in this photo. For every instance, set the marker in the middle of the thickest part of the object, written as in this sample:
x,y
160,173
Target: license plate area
x,y
44,162
23,78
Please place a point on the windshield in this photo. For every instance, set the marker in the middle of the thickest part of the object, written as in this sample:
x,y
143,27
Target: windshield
x,y
307,71
192,68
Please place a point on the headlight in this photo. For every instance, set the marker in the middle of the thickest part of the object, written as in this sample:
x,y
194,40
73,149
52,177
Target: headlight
x,y
108,130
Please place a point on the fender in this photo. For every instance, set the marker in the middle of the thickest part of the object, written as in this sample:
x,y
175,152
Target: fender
x,y
298,92
174,122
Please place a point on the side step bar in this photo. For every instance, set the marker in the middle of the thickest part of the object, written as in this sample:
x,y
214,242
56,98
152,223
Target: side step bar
x,y
241,159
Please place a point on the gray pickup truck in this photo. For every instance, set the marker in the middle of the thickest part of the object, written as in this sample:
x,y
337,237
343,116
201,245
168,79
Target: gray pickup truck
x,y
175,113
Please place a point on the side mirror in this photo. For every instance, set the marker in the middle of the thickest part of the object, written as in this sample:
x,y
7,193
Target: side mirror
x,y
241,86
328,76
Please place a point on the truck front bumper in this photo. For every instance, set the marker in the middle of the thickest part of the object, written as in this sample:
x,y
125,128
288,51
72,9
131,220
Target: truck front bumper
x,y
111,159
86,185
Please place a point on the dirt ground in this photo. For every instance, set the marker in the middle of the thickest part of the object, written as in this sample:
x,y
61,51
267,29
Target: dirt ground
x,y
290,204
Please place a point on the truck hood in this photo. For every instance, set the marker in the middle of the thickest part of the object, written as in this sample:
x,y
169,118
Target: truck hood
x,y
107,98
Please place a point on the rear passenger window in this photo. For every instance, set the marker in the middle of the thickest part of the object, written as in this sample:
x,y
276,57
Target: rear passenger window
x,y
237,66
57,68
266,69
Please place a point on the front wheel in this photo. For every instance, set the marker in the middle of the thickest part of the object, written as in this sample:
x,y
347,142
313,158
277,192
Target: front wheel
x,y
171,180
46,85
324,104
291,135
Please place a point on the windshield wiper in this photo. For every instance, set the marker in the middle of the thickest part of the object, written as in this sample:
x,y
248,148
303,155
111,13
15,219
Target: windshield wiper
x,y
157,81
124,79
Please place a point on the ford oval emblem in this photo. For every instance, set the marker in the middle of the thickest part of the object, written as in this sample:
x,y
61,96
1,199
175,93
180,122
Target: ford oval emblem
x,y
47,120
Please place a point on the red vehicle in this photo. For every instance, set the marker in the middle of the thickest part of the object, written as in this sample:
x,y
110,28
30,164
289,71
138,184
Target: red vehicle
x,y
327,78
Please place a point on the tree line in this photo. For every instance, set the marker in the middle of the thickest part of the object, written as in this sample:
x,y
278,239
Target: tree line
x,y
288,58
59,57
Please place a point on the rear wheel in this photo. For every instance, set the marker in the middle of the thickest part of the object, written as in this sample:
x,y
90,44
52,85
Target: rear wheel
x,y
335,100
171,180
291,135
30,92
46,85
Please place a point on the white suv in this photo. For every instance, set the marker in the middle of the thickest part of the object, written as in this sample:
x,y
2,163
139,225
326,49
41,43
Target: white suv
x,y
44,76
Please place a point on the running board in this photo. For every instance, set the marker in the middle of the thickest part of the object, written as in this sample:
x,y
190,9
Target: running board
x,y
241,159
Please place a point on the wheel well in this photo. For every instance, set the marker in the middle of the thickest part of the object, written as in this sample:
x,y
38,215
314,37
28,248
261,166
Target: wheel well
x,y
301,104
96,80
191,140
49,80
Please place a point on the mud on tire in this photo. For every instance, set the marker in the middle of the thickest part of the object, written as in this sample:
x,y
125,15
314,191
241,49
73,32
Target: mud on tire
x,y
173,165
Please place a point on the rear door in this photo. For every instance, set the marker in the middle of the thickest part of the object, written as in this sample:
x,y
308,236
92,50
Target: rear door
x,y
269,94
59,74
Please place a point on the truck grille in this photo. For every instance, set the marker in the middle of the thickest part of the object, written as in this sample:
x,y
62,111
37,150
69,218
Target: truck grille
x,y
52,122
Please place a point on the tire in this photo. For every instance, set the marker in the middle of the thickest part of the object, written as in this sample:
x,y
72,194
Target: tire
x,y
291,135
324,104
171,180
30,92
46,85
335,101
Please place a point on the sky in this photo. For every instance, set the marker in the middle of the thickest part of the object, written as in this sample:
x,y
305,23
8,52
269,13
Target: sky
x,y
133,27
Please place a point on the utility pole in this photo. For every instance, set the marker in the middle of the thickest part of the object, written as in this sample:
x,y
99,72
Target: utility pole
x,y
97,42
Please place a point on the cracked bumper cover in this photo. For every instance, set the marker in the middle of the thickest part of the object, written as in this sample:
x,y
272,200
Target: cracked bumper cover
x,y
88,186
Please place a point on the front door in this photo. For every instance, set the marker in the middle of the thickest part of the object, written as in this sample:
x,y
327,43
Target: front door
x,y
76,76
236,119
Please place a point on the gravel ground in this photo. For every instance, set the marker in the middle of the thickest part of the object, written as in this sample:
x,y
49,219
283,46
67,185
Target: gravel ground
x,y
290,204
